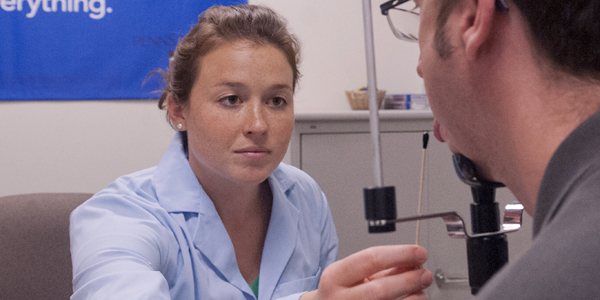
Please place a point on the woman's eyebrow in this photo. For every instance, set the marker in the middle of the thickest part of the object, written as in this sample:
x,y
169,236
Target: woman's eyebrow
x,y
234,84
281,86
231,84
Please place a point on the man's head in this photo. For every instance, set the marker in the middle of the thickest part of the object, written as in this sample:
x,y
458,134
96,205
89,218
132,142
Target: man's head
x,y
504,82
566,33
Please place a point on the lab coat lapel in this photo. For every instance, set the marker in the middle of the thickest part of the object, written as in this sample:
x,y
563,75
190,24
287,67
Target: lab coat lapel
x,y
280,241
212,240
179,191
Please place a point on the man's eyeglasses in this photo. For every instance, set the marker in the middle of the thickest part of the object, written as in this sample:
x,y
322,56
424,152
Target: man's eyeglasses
x,y
404,17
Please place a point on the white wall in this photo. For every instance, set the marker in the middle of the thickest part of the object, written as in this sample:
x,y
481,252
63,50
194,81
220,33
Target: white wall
x,y
332,36
81,146
77,146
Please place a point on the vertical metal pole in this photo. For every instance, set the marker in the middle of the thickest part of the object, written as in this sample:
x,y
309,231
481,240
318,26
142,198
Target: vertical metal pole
x,y
372,91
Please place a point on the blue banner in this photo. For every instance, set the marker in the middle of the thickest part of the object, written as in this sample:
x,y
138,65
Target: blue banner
x,y
90,49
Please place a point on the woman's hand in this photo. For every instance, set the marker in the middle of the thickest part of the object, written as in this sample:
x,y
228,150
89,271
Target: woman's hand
x,y
377,273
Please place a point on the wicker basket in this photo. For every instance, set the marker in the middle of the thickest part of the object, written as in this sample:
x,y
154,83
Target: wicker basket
x,y
360,99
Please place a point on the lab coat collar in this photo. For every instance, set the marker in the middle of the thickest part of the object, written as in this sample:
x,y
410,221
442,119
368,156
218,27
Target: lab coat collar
x,y
212,240
177,187
281,236
178,190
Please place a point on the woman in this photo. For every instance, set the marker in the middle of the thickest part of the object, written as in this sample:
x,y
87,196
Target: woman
x,y
219,217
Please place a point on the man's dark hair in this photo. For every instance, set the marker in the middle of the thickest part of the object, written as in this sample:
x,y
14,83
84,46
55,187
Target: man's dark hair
x,y
567,32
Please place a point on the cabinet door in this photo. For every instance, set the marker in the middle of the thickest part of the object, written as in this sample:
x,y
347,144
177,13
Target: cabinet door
x,y
342,164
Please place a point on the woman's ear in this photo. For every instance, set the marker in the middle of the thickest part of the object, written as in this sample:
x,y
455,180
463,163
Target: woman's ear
x,y
176,113
478,26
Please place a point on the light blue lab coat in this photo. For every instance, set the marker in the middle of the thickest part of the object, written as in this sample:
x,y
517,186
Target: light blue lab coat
x,y
155,234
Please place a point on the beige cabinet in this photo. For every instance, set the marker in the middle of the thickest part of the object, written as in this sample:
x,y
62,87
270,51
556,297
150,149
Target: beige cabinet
x,y
336,150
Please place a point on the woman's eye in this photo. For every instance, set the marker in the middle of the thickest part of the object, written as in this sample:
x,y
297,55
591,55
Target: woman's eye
x,y
230,100
278,101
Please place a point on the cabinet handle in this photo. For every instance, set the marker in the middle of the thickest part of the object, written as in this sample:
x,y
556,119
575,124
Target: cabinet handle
x,y
443,281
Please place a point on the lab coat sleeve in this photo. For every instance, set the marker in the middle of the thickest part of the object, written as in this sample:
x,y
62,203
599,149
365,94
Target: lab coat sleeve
x,y
329,239
119,250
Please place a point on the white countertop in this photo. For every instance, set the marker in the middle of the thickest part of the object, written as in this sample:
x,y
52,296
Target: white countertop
x,y
389,114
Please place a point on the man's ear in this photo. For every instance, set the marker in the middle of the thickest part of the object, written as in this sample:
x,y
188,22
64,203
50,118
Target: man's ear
x,y
478,26
176,113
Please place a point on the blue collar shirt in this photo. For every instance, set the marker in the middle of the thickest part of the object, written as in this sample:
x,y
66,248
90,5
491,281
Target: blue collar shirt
x,y
155,234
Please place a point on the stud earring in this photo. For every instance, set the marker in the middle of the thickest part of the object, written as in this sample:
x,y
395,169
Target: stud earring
x,y
179,126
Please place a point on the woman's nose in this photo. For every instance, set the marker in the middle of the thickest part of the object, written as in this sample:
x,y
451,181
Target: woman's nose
x,y
256,122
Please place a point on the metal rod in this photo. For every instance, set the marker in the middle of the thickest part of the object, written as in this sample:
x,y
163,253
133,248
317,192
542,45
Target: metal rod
x,y
372,92
444,281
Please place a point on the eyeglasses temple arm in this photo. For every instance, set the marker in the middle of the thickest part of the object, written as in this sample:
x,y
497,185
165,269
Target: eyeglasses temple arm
x,y
501,6
387,6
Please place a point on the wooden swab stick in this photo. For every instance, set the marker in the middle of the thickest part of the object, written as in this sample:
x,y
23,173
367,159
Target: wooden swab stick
x,y
425,141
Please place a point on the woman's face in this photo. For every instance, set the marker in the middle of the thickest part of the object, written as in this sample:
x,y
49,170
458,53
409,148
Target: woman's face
x,y
240,115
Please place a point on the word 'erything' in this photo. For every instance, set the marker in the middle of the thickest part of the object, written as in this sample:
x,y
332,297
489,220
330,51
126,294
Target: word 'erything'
x,y
97,8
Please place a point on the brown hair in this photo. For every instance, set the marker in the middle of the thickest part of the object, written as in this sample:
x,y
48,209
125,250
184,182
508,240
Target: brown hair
x,y
442,44
220,24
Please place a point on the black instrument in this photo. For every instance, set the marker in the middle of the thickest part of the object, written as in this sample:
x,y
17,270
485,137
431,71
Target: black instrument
x,y
487,246
487,254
